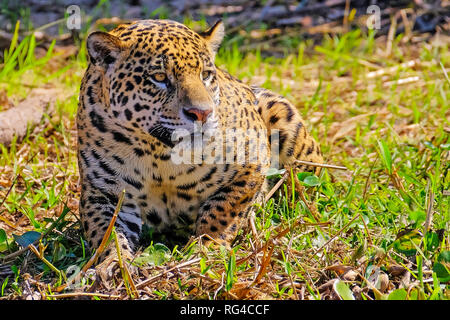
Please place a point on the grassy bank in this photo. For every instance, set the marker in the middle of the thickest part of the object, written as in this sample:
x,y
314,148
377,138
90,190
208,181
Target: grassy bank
x,y
378,230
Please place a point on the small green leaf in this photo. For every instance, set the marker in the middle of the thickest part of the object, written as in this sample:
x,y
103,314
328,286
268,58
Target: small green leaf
x,y
3,240
343,290
302,175
437,292
15,270
414,294
398,294
202,266
444,256
230,271
3,236
442,272
4,284
359,252
27,238
311,181
432,240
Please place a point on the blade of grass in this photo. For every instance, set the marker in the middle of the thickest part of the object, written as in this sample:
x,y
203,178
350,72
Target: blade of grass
x,y
385,155
40,255
102,245
127,279
107,234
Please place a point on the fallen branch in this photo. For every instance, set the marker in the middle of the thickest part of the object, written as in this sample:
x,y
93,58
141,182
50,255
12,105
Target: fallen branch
x,y
392,70
29,112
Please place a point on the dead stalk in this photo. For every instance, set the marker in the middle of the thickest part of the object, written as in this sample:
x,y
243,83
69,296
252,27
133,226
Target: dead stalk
x,y
103,244
127,280
321,165
276,186
108,232
40,255
80,294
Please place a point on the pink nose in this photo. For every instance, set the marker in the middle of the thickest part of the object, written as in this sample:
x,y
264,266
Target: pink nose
x,y
195,114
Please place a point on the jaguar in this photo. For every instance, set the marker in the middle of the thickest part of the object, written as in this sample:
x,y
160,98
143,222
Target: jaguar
x,y
150,99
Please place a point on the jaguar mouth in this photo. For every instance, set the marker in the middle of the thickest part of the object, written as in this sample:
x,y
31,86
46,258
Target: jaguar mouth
x,y
163,134
171,136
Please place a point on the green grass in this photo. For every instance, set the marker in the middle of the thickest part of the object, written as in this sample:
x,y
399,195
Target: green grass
x,y
358,225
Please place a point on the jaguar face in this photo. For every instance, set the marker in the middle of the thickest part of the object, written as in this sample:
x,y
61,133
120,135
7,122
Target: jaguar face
x,y
159,76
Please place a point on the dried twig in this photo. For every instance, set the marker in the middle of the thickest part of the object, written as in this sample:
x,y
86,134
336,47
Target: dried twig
x,y
276,186
81,294
268,250
366,186
294,289
391,70
253,226
312,207
131,282
321,165
40,255
391,35
346,13
103,244
108,231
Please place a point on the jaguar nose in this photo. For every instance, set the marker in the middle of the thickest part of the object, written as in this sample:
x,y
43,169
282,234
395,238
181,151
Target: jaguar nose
x,y
195,114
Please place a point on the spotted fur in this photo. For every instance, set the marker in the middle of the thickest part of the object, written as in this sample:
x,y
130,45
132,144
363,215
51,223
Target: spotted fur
x,y
126,119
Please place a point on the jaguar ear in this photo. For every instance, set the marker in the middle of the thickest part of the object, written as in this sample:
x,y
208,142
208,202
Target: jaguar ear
x,y
214,36
103,48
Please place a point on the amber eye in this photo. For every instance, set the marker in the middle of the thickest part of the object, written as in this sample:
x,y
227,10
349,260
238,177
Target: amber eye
x,y
159,77
206,75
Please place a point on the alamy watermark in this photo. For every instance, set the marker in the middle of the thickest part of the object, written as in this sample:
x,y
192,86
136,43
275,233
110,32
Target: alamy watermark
x,y
73,17
374,20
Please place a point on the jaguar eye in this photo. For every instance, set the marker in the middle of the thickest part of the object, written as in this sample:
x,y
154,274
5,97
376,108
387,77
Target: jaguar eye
x,y
159,77
206,75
